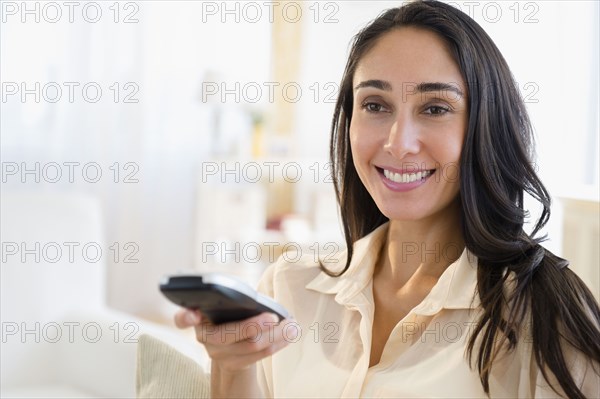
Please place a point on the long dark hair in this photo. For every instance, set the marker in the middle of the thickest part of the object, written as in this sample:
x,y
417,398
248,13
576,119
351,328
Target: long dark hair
x,y
495,172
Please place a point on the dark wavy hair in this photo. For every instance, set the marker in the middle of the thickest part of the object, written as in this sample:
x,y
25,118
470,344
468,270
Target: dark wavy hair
x,y
496,170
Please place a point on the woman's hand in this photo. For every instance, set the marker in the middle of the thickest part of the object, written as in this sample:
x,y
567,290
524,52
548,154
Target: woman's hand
x,y
236,347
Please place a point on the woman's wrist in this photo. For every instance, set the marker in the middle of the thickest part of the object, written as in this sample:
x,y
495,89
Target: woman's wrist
x,y
227,383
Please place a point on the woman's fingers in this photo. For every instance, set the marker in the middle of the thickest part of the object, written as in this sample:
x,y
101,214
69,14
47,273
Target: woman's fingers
x,y
241,361
187,318
237,345
239,355
229,333
275,334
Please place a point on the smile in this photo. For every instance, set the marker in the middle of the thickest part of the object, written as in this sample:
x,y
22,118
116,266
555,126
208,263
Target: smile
x,y
407,177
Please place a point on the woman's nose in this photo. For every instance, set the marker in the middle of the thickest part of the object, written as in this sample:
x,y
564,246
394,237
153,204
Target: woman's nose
x,y
403,138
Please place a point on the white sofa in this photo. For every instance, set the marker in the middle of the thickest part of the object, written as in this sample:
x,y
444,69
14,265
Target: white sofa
x,y
58,337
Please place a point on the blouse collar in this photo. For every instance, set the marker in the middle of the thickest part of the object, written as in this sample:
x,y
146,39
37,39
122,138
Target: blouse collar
x,y
455,289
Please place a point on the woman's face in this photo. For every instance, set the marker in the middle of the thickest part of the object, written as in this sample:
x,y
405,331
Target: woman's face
x,y
408,124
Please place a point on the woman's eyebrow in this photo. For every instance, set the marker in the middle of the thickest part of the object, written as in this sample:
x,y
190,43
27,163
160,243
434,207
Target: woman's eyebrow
x,y
437,86
411,87
376,83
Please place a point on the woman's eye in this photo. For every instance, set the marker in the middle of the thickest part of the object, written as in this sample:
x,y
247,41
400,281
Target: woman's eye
x,y
436,110
373,107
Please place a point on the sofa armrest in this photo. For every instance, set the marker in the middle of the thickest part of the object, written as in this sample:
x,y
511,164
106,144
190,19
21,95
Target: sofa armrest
x,y
92,352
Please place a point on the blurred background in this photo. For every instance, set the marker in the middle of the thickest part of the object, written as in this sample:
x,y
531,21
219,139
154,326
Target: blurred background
x,y
143,138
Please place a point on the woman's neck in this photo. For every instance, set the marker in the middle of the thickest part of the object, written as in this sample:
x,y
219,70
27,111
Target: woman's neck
x,y
421,250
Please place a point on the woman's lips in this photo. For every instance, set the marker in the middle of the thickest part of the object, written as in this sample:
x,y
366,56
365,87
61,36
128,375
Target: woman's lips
x,y
398,181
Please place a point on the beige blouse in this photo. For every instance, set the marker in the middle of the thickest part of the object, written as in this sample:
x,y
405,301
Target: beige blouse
x,y
425,353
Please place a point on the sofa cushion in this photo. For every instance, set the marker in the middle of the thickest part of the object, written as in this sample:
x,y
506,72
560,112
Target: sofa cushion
x,y
163,372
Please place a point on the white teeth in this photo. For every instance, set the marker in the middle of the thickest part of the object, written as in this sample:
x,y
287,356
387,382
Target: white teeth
x,y
405,177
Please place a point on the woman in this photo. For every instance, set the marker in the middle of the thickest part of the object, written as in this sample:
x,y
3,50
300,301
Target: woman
x,y
441,293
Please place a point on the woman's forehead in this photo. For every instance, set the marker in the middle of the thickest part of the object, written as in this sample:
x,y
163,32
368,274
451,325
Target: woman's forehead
x,y
406,56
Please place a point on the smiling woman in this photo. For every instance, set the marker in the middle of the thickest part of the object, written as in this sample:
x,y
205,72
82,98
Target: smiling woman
x,y
441,293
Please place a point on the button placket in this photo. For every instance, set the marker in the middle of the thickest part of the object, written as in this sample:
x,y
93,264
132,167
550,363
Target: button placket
x,y
364,307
